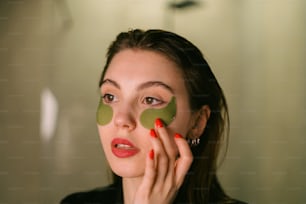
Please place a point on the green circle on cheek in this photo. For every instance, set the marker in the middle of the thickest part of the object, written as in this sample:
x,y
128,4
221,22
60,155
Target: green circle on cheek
x,y
104,114
166,114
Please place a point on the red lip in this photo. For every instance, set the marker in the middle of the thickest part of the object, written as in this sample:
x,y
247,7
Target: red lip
x,y
123,148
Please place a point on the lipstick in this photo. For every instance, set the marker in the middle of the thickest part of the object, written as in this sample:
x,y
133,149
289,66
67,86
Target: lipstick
x,y
123,148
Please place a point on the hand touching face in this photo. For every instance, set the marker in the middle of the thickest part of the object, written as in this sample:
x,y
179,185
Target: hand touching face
x,y
136,81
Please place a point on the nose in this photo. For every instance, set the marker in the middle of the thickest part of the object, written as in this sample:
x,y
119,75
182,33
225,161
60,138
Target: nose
x,y
125,119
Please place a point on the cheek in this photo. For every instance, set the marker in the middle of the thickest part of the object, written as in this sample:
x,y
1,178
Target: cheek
x,y
166,114
102,135
104,114
183,121
105,140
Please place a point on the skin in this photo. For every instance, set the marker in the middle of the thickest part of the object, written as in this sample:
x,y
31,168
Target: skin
x,y
104,113
135,81
166,114
147,118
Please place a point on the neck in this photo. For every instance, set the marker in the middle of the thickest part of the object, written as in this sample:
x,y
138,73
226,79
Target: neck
x,y
130,186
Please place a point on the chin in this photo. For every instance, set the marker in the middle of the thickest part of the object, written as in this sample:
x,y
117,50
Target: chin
x,y
127,171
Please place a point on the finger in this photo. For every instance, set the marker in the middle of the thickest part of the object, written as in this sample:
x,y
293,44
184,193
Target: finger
x,y
161,157
184,161
149,174
170,147
167,141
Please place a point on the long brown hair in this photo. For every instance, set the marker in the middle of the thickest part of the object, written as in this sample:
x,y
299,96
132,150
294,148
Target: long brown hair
x,y
201,184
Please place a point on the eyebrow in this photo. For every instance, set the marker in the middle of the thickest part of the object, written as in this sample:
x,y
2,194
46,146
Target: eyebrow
x,y
142,86
149,84
109,81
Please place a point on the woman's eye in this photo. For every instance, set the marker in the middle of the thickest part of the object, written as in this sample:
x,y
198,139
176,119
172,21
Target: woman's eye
x,y
152,101
109,98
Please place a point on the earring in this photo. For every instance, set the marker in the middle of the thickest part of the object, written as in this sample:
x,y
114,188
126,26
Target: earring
x,y
193,142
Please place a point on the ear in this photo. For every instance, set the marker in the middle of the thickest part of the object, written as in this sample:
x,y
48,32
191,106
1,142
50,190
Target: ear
x,y
199,122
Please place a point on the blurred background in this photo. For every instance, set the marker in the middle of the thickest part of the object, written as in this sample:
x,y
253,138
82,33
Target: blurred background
x,y
51,56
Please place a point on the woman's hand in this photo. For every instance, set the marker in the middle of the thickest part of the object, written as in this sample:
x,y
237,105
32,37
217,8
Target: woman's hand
x,y
166,166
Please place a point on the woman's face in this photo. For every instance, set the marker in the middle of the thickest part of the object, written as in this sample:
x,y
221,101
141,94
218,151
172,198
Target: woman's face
x,y
138,80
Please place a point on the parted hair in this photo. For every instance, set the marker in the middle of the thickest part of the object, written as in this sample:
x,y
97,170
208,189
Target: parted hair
x,y
201,184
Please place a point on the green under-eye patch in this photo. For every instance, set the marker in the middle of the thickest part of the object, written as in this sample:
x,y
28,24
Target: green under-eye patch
x,y
104,113
166,114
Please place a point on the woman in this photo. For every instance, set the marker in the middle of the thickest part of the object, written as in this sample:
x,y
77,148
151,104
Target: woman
x,y
161,119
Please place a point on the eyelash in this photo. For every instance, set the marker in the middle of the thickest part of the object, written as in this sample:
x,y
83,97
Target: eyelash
x,y
157,101
148,100
106,98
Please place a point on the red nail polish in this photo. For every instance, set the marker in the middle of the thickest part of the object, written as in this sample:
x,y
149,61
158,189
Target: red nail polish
x,y
159,123
176,135
153,133
151,154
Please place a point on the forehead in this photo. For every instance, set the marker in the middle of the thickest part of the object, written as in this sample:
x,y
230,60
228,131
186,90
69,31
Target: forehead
x,y
136,63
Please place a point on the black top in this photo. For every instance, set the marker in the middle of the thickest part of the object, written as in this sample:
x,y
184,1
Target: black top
x,y
111,194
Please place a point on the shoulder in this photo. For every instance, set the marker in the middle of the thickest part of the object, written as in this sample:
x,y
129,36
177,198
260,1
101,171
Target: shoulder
x,y
107,194
234,201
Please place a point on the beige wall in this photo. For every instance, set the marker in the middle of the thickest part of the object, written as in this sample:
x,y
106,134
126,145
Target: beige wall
x,y
257,50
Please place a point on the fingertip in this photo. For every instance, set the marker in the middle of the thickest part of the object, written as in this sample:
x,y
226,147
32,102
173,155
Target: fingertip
x,y
159,123
183,147
177,135
151,154
153,133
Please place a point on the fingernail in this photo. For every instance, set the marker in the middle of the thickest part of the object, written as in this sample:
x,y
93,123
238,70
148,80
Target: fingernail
x,y
151,154
153,133
176,135
159,123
